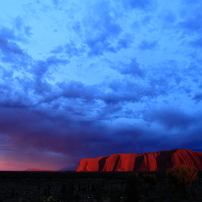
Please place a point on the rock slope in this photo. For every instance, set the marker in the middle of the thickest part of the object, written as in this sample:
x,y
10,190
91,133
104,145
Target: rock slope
x,y
157,161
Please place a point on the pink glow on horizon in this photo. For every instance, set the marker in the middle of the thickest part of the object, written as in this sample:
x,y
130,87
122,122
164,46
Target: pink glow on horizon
x,y
13,165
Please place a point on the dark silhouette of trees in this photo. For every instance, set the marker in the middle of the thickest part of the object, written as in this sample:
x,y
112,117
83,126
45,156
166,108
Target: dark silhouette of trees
x,y
150,179
132,188
182,175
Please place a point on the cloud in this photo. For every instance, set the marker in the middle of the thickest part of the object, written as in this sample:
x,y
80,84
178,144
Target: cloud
x,y
197,43
99,45
198,97
9,47
38,130
42,70
138,4
7,33
190,2
66,132
124,41
106,29
27,31
55,3
58,49
191,24
71,49
133,69
19,31
148,45
94,90
168,16
174,119
75,89
18,23
121,92
6,73
12,53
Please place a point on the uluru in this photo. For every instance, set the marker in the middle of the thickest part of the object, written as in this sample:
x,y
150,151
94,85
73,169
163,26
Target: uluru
x,y
157,161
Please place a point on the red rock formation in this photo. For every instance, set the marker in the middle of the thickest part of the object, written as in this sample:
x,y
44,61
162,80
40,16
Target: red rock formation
x,y
157,161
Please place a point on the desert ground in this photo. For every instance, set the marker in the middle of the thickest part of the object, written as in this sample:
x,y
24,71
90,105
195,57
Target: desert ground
x,y
92,187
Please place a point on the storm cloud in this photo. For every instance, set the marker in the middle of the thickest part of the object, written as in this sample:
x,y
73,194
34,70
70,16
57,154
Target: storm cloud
x,y
86,80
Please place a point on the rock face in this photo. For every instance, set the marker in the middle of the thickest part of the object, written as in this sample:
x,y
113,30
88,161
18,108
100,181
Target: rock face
x,y
157,161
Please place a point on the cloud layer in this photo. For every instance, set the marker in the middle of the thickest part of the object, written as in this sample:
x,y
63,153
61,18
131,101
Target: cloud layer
x,y
86,80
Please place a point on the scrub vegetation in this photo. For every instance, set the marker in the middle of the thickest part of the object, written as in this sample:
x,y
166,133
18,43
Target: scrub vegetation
x,y
180,183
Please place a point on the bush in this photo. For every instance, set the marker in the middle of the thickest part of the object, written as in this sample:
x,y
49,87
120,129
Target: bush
x,y
182,174
154,199
132,188
150,178
49,199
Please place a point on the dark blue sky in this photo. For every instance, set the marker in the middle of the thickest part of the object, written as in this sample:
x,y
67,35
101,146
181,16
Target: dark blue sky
x,y
91,79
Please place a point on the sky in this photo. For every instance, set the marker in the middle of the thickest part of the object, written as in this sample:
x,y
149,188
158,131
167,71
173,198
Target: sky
x,y
83,79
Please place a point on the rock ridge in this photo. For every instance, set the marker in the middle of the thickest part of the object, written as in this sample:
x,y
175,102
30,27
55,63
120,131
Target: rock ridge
x,y
156,161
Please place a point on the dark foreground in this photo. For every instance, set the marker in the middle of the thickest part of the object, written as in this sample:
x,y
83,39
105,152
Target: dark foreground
x,y
91,187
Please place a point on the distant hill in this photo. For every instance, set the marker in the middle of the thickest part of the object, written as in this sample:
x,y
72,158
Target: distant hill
x,y
36,169
157,161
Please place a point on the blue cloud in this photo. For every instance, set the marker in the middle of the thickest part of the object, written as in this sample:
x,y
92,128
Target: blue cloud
x,y
190,2
27,31
133,69
168,19
198,97
175,119
138,4
97,46
148,45
22,29
7,33
11,52
115,93
10,47
41,67
197,43
6,73
124,42
75,89
192,24
105,30
58,49
55,2
18,23
74,137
